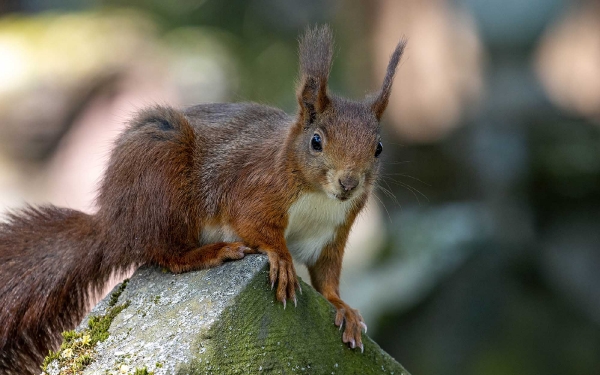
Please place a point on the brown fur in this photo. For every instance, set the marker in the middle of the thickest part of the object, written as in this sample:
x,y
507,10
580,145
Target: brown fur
x,y
174,174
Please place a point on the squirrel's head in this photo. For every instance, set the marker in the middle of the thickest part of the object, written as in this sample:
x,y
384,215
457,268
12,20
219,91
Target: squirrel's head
x,y
337,141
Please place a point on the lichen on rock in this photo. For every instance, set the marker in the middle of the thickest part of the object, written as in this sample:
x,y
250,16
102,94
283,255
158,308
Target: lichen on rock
x,y
78,347
223,320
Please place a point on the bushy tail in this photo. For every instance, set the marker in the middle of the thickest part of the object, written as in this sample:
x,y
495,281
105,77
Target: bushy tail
x,y
50,261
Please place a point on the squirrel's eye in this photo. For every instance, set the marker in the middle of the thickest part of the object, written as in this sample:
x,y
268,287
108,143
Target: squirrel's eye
x,y
378,150
315,143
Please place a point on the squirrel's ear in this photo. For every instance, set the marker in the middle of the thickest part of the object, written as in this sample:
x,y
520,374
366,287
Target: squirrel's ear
x,y
380,102
316,52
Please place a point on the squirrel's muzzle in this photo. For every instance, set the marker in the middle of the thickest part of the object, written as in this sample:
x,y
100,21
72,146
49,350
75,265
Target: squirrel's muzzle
x,y
348,183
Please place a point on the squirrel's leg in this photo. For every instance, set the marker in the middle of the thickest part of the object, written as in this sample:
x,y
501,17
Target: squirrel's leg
x,y
271,241
281,269
207,256
325,277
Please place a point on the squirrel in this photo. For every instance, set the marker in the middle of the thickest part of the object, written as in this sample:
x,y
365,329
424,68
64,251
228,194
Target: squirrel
x,y
190,189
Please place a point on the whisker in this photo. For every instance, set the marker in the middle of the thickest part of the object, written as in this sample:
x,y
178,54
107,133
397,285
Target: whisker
x,y
410,188
408,176
390,193
414,190
384,207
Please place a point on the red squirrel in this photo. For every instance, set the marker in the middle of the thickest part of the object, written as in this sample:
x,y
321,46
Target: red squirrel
x,y
190,189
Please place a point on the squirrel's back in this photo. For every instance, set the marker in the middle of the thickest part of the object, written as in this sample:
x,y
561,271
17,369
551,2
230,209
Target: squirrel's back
x,y
237,143
236,116
227,127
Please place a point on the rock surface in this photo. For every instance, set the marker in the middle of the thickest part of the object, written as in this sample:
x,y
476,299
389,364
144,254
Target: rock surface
x,y
226,320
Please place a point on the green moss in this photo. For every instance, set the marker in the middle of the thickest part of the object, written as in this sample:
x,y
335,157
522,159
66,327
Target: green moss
x,y
256,335
78,348
114,298
143,371
99,325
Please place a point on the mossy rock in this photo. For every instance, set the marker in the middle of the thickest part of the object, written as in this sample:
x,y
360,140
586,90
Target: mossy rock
x,y
256,335
226,320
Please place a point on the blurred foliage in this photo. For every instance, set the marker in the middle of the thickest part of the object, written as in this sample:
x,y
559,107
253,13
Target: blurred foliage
x,y
263,34
491,261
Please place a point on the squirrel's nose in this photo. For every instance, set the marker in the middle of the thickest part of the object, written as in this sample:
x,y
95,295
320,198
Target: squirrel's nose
x,y
348,183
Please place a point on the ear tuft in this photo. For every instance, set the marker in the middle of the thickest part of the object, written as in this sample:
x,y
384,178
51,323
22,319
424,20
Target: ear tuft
x,y
379,104
316,53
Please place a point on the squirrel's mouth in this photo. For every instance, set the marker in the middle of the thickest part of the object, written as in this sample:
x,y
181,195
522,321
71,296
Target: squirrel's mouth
x,y
342,196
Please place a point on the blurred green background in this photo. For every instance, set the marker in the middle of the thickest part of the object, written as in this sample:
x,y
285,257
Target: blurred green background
x,y
481,252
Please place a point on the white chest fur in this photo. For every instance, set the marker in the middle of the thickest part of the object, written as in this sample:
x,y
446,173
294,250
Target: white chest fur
x,y
312,222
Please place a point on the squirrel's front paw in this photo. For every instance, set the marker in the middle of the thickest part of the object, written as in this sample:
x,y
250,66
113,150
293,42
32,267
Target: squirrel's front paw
x,y
283,273
353,324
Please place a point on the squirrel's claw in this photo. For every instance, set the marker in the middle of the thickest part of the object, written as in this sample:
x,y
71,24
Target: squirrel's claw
x,y
282,271
352,322
339,317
